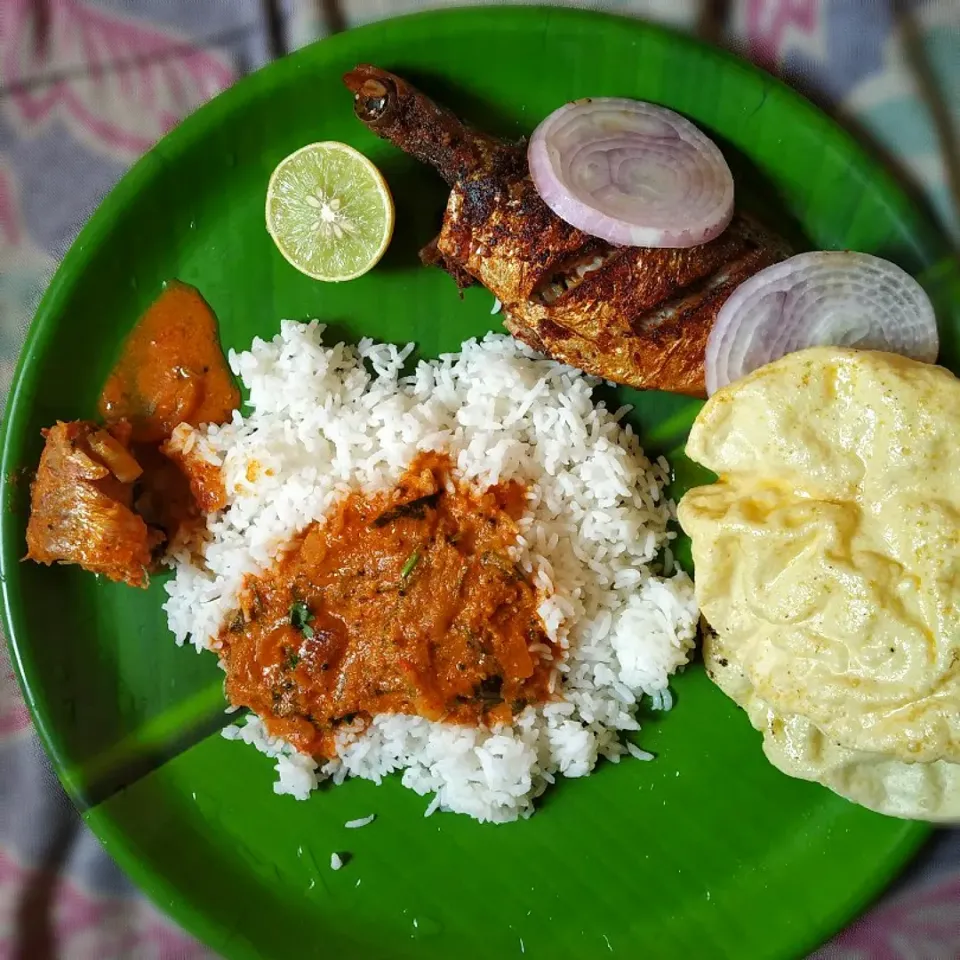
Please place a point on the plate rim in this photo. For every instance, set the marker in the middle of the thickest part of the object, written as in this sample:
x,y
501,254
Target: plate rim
x,y
118,843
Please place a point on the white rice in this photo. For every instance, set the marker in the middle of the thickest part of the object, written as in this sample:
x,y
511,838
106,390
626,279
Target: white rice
x,y
320,425
360,822
336,861
637,753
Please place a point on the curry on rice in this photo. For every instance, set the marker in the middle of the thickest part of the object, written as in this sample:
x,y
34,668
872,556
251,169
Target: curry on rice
x,y
403,602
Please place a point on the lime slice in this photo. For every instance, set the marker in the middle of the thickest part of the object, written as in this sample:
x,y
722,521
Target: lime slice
x,y
329,211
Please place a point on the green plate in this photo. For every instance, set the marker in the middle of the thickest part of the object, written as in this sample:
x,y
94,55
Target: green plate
x,y
707,852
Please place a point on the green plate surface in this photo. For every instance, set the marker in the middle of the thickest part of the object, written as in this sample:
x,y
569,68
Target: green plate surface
x,y
706,853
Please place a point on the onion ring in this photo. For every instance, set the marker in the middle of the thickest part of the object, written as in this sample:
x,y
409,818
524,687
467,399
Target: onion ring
x,y
826,298
631,173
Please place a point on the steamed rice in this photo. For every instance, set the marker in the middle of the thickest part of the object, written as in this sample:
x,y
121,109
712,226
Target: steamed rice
x,y
324,421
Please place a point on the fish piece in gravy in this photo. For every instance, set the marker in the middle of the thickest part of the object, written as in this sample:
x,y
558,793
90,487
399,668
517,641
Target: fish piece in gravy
x,y
107,498
81,504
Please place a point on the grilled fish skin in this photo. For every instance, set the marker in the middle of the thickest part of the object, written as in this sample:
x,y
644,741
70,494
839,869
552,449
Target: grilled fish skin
x,y
634,315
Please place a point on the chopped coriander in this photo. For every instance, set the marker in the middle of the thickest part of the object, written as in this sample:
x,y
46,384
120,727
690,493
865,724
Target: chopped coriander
x,y
300,617
412,561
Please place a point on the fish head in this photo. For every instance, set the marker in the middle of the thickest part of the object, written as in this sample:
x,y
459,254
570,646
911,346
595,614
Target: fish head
x,y
377,95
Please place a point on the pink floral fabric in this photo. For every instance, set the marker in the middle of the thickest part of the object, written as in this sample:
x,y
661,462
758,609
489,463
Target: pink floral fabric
x,y
122,111
73,921
87,85
921,923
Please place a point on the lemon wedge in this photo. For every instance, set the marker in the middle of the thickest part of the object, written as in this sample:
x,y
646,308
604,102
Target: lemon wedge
x,y
329,211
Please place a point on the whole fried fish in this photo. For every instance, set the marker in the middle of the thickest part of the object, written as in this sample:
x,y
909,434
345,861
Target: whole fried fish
x,y
635,315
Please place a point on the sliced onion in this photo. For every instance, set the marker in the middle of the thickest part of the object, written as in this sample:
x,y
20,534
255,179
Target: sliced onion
x,y
631,173
827,298
115,456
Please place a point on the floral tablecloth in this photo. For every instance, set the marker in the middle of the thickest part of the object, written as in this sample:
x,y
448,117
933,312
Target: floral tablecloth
x,y
87,85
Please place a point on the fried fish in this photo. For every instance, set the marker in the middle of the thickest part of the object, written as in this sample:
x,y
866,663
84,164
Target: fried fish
x,y
635,315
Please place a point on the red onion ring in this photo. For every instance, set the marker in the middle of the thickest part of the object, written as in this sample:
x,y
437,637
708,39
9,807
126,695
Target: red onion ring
x,y
827,298
631,173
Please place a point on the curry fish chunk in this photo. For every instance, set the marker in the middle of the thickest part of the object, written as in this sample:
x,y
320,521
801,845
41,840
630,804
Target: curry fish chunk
x,y
81,504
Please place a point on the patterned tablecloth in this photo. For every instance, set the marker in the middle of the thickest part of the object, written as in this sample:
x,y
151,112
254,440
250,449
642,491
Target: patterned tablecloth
x,y
87,85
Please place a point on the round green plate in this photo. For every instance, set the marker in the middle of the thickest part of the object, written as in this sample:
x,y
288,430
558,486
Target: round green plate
x,y
706,852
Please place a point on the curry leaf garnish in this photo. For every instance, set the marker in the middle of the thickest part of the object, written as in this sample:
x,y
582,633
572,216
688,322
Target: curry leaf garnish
x,y
415,509
300,617
412,561
489,690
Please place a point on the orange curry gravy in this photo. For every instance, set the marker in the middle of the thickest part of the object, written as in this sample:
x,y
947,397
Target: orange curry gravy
x,y
172,370
403,602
